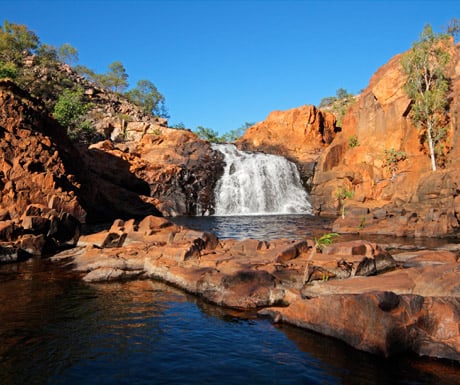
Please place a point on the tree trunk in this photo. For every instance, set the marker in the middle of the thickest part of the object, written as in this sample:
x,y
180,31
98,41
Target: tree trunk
x,y
431,145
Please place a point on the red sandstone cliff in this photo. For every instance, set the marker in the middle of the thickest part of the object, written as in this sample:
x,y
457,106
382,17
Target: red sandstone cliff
x,y
404,197
299,134
378,157
46,187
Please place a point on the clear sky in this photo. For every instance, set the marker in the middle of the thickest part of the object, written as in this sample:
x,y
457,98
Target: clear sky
x,y
220,64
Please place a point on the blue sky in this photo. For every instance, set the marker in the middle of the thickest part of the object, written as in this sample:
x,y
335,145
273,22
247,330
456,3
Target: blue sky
x,y
220,64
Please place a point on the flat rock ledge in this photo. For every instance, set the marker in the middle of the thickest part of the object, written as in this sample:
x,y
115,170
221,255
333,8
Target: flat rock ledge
x,y
354,291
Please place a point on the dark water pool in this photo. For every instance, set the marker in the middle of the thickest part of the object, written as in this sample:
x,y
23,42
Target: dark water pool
x,y
268,227
57,330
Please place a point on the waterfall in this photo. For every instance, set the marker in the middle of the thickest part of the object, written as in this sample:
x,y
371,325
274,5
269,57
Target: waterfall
x,y
257,184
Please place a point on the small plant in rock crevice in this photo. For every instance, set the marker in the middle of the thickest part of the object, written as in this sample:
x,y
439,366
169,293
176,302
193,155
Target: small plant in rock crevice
x,y
392,158
353,141
342,195
320,243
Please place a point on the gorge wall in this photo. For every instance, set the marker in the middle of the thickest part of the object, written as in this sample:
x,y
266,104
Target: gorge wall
x,y
388,172
49,186
375,165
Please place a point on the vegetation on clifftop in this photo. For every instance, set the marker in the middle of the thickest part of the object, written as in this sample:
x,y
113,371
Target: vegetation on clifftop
x,y
50,74
427,85
213,136
338,104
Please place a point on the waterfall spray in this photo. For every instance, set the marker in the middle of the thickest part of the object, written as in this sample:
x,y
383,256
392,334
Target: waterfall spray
x,y
258,184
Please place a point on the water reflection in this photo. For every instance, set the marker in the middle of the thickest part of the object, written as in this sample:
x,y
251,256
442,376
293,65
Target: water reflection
x,y
299,226
262,227
360,368
59,330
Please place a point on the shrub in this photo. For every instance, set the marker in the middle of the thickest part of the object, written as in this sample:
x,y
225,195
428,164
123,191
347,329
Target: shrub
x,y
8,70
353,141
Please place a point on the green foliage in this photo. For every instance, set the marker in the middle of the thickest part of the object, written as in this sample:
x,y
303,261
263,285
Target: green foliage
x,y
327,101
84,71
427,84
338,104
392,158
84,133
342,93
46,55
213,136
362,224
178,126
16,42
70,110
116,79
320,243
353,141
8,70
453,29
125,117
68,54
234,135
70,107
208,134
325,240
147,96
342,194
156,131
37,68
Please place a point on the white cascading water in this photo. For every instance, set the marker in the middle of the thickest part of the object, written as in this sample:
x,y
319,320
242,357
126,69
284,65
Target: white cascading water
x,y
258,184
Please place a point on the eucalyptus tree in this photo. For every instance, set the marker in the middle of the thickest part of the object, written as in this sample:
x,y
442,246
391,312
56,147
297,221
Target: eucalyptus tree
x,y
147,96
68,54
116,79
16,42
427,85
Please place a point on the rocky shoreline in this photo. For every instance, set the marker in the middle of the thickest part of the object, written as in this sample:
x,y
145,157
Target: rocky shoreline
x,y
355,291
380,302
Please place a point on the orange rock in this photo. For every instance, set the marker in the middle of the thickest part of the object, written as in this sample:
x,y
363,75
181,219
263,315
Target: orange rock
x,y
376,176
298,134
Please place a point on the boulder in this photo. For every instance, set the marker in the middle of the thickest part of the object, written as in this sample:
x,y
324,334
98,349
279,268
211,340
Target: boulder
x,y
355,290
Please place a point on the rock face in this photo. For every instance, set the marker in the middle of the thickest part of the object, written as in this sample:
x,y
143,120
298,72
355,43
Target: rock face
x,y
182,171
45,181
376,167
387,170
299,134
174,169
355,291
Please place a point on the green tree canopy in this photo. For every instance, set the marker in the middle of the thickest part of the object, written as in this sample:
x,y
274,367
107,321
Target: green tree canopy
x,y
68,54
70,110
8,70
338,104
147,96
453,29
116,79
427,84
16,41
47,55
237,133
208,134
